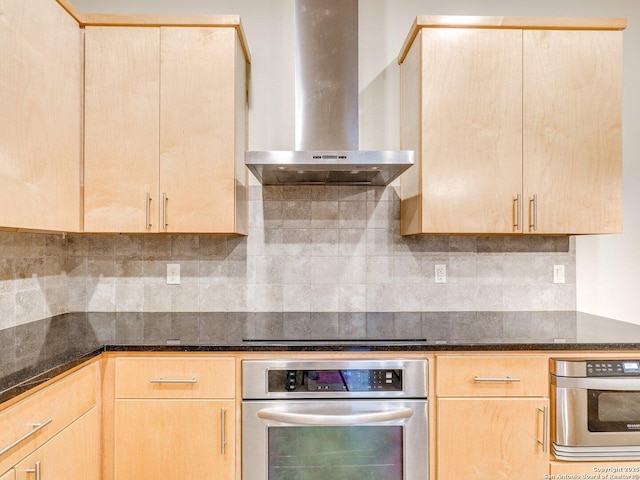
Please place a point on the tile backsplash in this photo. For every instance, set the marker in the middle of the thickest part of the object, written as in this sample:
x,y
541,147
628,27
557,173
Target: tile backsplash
x,y
309,249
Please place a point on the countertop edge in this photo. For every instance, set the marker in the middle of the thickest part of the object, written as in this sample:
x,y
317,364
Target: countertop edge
x,y
50,373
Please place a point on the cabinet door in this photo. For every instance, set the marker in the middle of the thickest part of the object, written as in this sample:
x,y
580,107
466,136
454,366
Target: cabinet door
x,y
122,91
482,439
198,118
10,475
572,130
73,454
470,146
169,439
40,116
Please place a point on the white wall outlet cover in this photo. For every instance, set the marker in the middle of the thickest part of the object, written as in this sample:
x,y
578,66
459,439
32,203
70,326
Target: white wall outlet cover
x,y
173,274
558,274
441,273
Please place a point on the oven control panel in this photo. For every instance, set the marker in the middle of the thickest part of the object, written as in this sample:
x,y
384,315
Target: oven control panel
x,y
324,381
613,368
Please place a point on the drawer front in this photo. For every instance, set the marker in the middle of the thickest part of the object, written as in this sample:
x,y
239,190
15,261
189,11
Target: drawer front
x,y
175,377
492,376
47,411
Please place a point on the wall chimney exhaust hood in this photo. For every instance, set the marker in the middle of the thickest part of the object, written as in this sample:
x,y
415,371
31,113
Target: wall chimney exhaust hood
x,y
326,103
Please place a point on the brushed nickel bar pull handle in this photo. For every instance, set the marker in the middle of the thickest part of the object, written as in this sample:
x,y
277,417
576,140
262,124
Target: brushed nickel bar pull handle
x,y
148,211
545,429
518,199
35,470
337,419
36,428
164,210
533,225
496,379
173,380
223,429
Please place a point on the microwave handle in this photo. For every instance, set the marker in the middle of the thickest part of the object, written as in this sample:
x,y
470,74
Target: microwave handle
x,y
319,419
596,383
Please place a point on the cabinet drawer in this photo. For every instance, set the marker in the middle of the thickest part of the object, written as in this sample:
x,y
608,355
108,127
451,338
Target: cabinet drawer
x,y
53,408
175,377
492,376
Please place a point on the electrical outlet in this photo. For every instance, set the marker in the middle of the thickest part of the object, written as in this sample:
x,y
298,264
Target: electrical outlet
x,y
173,274
441,274
558,274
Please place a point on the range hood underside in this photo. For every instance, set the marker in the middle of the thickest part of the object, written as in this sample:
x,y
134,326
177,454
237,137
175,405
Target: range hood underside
x,y
339,167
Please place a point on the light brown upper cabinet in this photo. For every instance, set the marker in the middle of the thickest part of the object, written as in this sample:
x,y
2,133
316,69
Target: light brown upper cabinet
x,y
515,124
165,123
40,116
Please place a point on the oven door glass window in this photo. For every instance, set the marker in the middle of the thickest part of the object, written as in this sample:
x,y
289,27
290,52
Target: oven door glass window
x,y
335,453
613,411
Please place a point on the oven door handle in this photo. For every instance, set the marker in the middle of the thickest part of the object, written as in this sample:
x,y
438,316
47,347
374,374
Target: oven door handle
x,y
595,383
320,419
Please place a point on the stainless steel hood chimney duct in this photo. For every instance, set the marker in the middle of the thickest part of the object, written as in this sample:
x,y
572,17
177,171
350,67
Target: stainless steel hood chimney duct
x,y
326,101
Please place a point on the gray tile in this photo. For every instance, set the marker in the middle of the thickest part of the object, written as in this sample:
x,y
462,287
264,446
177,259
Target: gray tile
x,y
465,244
555,244
185,247
324,325
157,247
185,327
157,328
101,245
296,214
352,214
325,242
129,246
465,327
129,328
55,245
493,244
7,344
236,245
352,298
296,298
78,245
408,325
436,326
213,328
29,245
296,241
352,325
324,214
297,325
325,193
296,192
212,246
272,214
380,325
268,325
271,192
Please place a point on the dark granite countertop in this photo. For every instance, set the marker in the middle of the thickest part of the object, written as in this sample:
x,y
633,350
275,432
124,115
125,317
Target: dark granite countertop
x,y
31,354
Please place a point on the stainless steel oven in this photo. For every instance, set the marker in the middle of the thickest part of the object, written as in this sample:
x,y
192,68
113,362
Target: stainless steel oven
x,y
335,420
597,409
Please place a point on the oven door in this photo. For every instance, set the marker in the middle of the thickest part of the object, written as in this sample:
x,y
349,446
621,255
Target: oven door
x,y
596,418
335,439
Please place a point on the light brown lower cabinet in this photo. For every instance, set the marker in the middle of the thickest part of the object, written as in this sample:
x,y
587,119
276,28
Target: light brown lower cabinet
x,y
491,438
169,439
73,454
10,475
